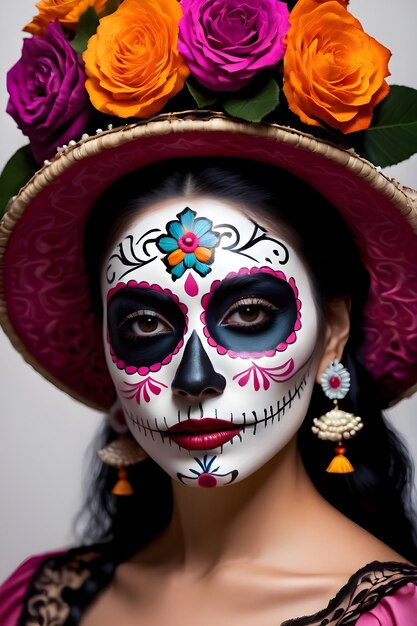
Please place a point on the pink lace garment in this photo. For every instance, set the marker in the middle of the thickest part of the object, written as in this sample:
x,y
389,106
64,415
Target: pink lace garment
x,y
399,608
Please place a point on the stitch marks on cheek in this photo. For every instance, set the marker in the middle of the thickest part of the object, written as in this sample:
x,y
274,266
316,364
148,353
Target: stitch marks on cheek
x,y
158,429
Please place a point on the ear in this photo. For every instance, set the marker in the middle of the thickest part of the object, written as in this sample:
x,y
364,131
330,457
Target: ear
x,y
336,333
116,418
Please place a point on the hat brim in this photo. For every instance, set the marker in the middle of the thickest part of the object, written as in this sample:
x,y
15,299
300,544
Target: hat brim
x,y
45,305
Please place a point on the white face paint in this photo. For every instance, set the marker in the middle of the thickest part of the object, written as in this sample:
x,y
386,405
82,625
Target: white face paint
x,y
210,331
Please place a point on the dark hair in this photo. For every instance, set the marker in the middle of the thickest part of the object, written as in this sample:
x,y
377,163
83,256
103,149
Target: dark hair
x,y
377,495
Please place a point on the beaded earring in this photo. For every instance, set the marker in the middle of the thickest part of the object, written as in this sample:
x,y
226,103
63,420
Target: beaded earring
x,y
121,453
336,425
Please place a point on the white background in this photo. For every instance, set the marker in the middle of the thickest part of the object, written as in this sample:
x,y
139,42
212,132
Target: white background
x,y
44,434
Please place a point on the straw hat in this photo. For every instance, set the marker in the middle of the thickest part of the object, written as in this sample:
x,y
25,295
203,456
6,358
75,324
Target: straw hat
x,y
45,304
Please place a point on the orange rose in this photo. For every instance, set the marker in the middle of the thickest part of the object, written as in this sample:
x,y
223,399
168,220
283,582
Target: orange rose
x,y
68,12
333,71
132,63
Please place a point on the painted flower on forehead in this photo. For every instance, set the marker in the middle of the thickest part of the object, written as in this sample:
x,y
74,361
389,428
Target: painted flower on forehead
x,y
226,42
189,244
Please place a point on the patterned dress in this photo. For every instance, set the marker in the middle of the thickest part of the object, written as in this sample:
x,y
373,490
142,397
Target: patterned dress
x,y
54,589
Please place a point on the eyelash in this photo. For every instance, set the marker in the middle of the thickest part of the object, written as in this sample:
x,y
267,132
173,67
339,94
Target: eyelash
x,y
253,302
128,321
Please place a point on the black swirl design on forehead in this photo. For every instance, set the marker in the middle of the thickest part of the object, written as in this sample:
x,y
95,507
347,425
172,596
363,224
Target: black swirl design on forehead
x,y
259,234
132,255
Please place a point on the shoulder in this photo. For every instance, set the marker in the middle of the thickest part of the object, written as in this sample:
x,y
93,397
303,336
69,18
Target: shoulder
x,y
396,609
378,594
51,584
382,594
13,590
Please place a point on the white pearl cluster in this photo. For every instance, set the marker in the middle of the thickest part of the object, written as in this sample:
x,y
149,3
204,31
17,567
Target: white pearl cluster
x,y
336,424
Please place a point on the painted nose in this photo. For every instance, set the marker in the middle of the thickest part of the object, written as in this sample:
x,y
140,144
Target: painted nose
x,y
196,375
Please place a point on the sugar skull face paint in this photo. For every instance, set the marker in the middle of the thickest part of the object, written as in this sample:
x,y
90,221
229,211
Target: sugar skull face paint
x,y
212,349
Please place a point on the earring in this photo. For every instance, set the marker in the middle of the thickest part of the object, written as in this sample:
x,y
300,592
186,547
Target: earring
x,y
122,452
336,424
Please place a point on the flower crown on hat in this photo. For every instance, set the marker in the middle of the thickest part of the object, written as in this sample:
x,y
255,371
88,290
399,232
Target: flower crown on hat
x,y
306,64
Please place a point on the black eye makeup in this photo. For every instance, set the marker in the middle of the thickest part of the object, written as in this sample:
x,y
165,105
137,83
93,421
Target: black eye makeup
x,y
144,325
251,313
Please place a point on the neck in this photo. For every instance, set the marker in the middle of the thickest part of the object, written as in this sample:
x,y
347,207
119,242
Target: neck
x,y
261,517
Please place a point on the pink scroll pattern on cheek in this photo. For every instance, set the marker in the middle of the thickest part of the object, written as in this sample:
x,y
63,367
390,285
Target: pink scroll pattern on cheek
x,y
143,370
142,389
252,355
264,375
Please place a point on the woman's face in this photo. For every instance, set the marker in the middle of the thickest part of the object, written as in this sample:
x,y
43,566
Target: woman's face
x,y
210,333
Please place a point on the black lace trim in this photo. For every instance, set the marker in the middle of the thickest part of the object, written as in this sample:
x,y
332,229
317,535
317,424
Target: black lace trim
x,y
360,594
65,585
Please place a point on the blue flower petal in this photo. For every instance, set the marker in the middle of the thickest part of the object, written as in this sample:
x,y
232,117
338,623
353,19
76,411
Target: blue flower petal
x,y
201,268
187,219
175,229
168,244
178,270
201,226
209,240
189,259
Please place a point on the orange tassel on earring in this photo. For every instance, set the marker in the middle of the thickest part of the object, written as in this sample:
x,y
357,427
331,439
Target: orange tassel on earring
x,y
340,464
123,486
121,453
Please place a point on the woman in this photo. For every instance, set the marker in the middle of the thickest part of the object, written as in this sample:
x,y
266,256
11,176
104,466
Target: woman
x,y
221,301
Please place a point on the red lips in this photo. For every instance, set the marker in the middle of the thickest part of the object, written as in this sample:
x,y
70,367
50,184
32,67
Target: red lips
x,y
203,434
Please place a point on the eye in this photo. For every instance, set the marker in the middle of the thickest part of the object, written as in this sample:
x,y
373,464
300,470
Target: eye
x,y
250,313
145,323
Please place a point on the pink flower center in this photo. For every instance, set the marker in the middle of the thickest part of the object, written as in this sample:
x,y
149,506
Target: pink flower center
x,y
206,480
334,382
188,242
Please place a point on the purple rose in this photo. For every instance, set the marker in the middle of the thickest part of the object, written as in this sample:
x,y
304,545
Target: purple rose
x,y
48,100
226,42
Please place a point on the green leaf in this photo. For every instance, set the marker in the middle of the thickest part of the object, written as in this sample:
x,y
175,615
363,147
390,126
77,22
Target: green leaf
x,y
111,7
256,107
392,137
202,99
87,26
16,173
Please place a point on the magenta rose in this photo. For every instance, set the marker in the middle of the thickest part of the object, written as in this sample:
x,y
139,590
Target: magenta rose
x,y
226,42
48,100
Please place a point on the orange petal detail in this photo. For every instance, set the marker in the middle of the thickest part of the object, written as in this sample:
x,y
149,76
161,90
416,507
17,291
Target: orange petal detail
x,y
202,254
176,257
